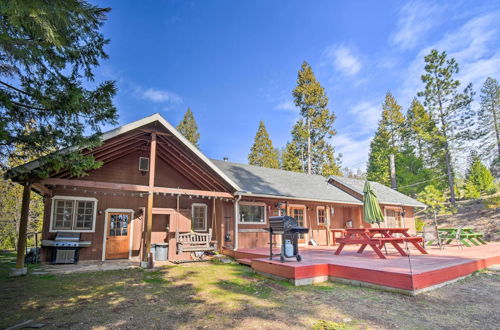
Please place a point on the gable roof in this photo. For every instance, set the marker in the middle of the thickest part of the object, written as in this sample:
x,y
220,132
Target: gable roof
x,y
384,194
131,126
256,180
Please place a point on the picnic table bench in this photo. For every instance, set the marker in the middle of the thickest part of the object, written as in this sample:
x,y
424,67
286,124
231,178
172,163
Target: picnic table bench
x,y
366,236
465,235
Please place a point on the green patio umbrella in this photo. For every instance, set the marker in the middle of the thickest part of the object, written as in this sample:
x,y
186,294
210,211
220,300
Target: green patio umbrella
x,y
371,209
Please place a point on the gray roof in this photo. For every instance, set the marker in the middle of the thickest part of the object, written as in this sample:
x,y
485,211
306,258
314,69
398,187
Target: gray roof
x,y
384,194
272,182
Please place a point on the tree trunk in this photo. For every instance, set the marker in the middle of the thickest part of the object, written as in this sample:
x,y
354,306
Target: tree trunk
x,y
308,146
496,129
23,225
392,164
449,170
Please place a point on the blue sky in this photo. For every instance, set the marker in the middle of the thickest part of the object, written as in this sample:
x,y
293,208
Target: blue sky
x,y
235,62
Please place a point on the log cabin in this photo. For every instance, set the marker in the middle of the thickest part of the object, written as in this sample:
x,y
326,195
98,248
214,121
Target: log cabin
x,y
154,186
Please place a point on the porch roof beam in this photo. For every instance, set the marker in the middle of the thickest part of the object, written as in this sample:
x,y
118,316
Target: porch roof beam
x,y
133,187
185,157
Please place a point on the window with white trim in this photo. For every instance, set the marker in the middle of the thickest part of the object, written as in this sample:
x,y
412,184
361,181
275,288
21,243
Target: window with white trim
x,y
321,215
75,214
199,217
252,213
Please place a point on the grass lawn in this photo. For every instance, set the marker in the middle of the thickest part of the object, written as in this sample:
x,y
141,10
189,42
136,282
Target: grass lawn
x,y
207,295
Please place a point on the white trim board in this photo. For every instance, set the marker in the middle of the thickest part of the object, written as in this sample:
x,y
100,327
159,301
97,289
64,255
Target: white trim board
x,y
105,231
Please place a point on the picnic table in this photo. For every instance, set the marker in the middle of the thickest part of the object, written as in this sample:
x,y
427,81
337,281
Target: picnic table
x,y
367,236
334,231
466,235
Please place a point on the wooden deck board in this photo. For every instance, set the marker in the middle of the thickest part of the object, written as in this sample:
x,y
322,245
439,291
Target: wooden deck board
x,y
414,272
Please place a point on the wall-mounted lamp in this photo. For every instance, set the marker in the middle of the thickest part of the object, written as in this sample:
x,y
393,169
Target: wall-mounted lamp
x,y
99,212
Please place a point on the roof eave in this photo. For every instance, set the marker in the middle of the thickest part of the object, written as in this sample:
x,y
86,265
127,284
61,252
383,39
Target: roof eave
x,y
246,193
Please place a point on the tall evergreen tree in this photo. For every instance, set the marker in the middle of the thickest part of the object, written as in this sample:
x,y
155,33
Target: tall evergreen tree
x,y
419,140
189,128
479,179
489,119
291,159
449,107
388,140
263,153
48,51
315,127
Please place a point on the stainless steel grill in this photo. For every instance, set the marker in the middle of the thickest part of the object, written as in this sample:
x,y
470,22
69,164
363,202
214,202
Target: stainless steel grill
x,y
288,228
65,247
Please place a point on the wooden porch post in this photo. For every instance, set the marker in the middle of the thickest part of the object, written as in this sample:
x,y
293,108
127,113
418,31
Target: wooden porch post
x,y
327,225
149,217
23,228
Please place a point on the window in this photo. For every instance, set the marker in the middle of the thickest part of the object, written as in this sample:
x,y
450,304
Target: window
x,y
73,213
253,213
321,215
199,217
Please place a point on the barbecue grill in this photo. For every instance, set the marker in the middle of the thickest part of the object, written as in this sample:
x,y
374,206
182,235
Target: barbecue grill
x,y
65,247
289,230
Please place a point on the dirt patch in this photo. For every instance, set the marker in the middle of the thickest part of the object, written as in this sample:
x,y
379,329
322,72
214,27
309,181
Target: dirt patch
x,y
481,215
205,295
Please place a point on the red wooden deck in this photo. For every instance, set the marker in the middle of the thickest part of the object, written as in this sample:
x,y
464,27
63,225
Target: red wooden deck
x,y
414,273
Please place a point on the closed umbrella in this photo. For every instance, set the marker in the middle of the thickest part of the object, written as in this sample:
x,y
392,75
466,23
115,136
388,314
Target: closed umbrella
x,y
371,209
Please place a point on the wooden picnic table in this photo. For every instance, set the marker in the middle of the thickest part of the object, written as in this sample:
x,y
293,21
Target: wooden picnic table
x,y
367,236
466,234
334,231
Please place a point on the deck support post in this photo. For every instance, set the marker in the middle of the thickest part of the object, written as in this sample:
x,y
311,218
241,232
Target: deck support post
x,y
147,257
23,228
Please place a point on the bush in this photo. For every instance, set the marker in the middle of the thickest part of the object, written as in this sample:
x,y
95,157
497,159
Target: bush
x,y
419,224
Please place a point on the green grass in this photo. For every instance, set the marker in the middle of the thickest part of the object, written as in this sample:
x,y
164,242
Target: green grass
x,y
207,295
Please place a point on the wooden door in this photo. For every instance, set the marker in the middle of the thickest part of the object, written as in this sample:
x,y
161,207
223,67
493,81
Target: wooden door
x,y
392,219
298,213
118,236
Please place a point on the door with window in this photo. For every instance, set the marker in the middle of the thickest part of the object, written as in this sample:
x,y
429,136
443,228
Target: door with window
x,y
118,236
392,219
298,213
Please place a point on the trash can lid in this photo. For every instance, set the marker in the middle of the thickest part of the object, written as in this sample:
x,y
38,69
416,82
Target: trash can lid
x,y
161,244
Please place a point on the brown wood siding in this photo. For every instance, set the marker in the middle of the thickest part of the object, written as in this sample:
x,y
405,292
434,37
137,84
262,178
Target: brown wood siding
x,y
116,200
252,235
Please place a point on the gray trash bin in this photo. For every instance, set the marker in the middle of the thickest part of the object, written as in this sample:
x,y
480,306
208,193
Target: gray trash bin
x,y
161,252
153,250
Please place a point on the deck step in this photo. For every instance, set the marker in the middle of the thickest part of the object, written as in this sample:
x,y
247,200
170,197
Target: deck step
x,y
245,261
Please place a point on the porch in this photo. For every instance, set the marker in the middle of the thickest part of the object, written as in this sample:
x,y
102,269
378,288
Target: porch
x,y
413,274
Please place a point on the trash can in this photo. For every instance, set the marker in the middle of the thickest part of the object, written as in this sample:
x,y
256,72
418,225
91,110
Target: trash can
x,y
161,252
153,250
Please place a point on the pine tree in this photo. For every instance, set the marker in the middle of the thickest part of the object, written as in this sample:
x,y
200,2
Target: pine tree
x,y
449,107
378,169
387,140
489,119
291,159
479,179
312,132
419,140
262,152
48,52
188,128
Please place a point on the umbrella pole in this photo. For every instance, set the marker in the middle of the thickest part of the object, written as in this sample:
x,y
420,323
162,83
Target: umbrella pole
x,y
385,247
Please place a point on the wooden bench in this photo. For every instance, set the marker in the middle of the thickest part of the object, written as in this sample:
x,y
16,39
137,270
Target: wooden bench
x,y
194,242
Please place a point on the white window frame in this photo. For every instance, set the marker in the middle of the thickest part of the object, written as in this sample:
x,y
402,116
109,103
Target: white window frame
x,y
317,215
252,204
76,199
206,216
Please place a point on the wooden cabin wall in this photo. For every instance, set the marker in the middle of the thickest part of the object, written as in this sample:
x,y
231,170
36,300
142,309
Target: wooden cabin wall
x,y
254,235
126,170
116,200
